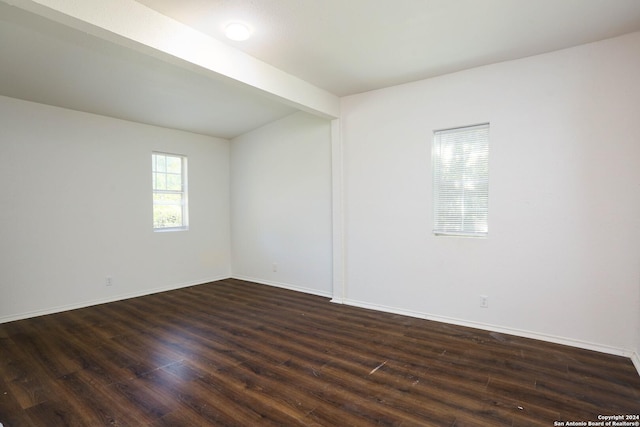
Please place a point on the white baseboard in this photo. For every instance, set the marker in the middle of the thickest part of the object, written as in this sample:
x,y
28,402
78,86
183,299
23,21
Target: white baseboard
x,y
493,328
284,286
635,358
83,304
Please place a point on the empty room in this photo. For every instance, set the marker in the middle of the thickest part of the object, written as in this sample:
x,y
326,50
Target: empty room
x,y
320,213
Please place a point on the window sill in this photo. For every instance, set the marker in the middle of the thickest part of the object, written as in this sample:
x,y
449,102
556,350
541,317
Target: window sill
x,y
453,234
170,229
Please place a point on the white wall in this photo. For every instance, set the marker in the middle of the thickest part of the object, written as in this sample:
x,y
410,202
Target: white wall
x,y
636,355
562,258
281,204
76,207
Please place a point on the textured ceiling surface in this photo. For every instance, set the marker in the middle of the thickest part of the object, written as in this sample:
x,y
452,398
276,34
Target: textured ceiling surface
x,y
351,46
51,64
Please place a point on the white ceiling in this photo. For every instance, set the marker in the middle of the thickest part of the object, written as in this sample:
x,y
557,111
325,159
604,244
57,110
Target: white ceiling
x,y
45,62
352,46
343,46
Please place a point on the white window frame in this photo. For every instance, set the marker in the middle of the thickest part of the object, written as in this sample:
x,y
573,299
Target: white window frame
x,y
182,192
461,196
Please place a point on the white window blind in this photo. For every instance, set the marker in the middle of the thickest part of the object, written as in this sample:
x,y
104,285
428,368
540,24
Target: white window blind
x,y
461,181
169,173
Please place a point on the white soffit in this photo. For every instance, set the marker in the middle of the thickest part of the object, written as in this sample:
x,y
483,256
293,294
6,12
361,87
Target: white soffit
x,y
131,24
49,63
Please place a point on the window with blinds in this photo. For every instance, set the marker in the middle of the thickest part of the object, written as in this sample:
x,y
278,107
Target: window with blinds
x,y
169,177
461,181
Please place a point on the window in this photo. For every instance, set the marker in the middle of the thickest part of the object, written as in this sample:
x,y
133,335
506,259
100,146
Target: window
x,y
461,181
169,174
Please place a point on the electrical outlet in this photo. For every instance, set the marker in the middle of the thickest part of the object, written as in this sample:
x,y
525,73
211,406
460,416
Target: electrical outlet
x,y
108,281
484,301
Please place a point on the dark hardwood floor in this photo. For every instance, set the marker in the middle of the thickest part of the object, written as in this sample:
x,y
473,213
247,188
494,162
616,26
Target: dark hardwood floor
x,y
238,353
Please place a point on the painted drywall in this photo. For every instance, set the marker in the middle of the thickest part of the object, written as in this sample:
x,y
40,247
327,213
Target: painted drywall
x,y
281,204
636,353
561,261
77,208
635,357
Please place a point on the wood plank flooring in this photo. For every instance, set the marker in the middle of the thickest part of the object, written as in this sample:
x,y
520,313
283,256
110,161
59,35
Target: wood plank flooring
x,y
235,353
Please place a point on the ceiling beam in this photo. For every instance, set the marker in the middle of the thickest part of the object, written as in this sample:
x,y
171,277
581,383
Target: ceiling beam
x,y
135,26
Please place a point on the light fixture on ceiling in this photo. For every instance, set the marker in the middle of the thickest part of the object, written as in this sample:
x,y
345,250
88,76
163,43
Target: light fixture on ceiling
x,y
237,31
